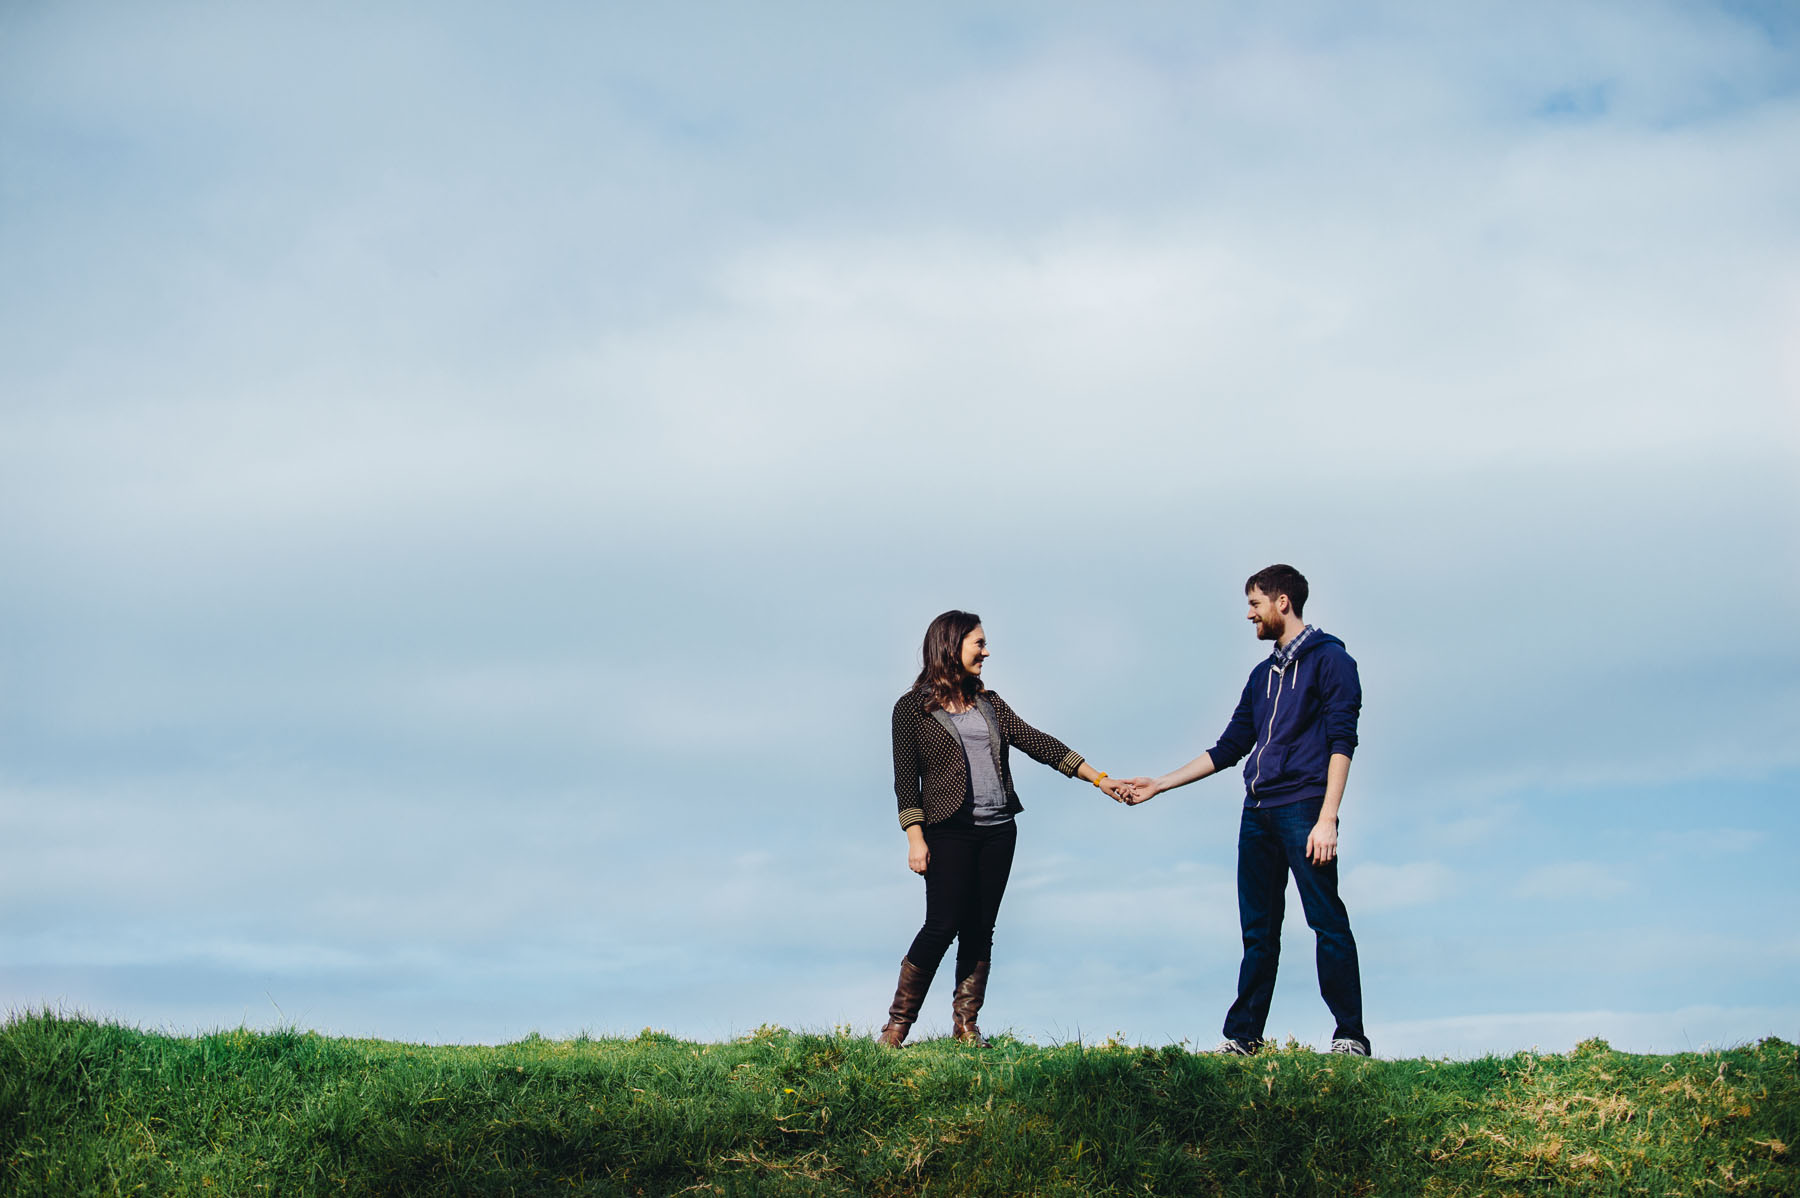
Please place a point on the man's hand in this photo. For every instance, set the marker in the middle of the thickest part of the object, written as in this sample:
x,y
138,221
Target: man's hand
x,y
1321,842
1142,789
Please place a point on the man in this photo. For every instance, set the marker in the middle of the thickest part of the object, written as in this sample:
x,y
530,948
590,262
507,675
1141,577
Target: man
x,y
1294,729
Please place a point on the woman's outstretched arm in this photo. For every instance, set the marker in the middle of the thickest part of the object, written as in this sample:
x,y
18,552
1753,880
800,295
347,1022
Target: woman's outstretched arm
x,y
1041,746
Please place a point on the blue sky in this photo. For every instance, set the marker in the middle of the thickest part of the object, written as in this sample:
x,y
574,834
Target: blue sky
x,y
473,483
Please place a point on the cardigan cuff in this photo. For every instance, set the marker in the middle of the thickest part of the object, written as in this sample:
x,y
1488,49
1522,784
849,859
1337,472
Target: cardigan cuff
x,y
1070,764
910,816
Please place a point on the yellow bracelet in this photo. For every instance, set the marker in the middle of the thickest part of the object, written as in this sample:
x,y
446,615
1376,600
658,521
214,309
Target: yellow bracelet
x,y
1097,778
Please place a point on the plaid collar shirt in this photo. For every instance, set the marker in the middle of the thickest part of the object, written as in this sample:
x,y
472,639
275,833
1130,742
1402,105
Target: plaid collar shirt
x,y
1285,653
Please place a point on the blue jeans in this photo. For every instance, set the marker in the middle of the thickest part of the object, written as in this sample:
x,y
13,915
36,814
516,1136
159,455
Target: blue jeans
x,y
1271,845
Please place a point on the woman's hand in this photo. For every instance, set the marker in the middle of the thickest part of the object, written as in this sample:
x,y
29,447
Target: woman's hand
x,y
918,854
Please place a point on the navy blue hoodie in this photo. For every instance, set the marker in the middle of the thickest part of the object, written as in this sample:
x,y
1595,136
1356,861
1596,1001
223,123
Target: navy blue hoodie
x,y
1291,720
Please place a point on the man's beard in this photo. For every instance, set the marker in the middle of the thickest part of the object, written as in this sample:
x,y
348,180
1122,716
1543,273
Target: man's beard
x,y
1268,630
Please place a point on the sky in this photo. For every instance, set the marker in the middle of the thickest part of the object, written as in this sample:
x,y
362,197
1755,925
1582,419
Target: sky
x,y
473,482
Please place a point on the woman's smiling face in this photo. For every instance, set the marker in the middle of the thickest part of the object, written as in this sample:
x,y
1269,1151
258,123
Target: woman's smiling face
x,y
974,650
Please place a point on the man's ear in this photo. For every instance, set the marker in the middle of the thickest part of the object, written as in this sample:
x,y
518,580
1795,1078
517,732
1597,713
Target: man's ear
x,y
1283,604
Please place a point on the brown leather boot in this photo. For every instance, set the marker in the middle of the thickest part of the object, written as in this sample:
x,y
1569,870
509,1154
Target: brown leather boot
x,y
909,996
971,992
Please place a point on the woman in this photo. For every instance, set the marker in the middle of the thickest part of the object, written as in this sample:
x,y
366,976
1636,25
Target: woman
x,y
957,804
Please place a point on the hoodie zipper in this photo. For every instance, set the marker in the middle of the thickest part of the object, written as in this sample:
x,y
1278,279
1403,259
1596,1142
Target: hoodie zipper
x,y
1269,733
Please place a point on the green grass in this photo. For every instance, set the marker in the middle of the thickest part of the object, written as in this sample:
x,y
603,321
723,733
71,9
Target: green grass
x,y
93,1108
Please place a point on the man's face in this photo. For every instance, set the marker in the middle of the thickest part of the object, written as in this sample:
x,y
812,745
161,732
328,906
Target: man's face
x,y
1269,615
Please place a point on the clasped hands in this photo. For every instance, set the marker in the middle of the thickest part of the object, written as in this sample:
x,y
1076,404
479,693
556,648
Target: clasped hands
x,y
1130,791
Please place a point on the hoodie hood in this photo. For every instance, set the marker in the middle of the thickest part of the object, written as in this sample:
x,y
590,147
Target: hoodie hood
x,y
1310,640
1319,637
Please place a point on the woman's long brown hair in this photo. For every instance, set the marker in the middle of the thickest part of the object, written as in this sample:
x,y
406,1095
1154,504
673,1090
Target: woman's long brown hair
x,y
943,676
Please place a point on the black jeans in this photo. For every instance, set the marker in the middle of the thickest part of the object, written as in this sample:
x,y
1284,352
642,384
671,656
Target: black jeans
x,y
963,887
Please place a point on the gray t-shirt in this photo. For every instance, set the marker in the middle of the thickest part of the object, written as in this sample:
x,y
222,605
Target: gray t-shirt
x,y
990,796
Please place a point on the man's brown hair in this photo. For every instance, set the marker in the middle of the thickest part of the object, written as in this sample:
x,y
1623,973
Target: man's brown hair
x,y
1280,580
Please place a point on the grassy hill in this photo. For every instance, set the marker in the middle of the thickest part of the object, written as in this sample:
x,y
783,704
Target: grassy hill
x,y
92,1108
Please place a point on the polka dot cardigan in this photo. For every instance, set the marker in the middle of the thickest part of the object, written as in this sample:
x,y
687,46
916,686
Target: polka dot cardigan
x,y
931,775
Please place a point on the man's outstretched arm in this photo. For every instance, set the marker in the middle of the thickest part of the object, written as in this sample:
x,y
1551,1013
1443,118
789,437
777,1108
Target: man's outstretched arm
x,y
1193,771
1234,742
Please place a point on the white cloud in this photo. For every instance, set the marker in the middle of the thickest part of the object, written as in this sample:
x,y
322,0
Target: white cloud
x,y
1166,909
1712,841
1686,1029
1495,284
1372,887
1573,880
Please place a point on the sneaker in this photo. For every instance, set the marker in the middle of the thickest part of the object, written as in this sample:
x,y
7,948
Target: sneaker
x,y
1234,1048
1354,1048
